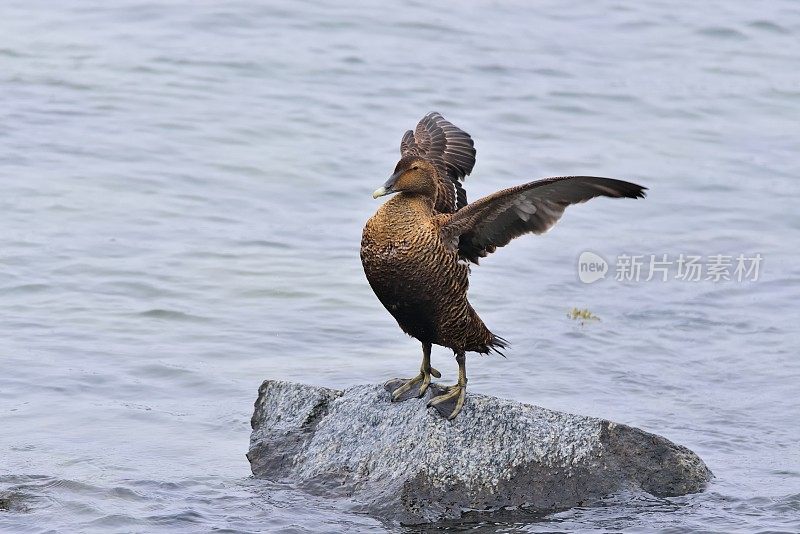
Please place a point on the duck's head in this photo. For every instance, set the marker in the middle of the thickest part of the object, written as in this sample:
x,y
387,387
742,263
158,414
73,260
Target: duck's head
x,y
412,175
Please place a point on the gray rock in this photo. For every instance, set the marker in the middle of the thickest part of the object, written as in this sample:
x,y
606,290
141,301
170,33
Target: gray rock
x,y
404,463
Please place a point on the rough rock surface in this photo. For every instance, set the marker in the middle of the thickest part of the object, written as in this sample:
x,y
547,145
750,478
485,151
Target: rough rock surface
x,y
404,463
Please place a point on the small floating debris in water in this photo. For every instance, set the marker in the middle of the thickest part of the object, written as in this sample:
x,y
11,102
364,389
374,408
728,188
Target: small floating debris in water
x,y
584,315
12,502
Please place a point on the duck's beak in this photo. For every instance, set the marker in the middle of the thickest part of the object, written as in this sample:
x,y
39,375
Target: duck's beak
x,y
381,191
388,187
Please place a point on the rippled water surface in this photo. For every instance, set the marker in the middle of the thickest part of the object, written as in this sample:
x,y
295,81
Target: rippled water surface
x,y
183,190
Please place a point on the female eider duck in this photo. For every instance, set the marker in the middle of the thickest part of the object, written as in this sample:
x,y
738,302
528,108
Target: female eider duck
x,y
416,247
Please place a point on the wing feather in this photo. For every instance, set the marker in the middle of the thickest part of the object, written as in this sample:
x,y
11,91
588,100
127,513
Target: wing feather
x,y
452,152
493,221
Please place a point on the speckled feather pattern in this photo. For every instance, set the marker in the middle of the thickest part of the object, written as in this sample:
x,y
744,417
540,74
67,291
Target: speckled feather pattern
x,y
413,249
418,278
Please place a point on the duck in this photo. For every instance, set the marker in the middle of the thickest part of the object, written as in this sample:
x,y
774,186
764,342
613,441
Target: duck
x,y
416,250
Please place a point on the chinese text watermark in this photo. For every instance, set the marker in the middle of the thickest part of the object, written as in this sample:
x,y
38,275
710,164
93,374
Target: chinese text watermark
x,y
664,267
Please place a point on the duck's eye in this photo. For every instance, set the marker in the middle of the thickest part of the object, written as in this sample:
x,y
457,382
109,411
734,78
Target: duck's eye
x,y
414,168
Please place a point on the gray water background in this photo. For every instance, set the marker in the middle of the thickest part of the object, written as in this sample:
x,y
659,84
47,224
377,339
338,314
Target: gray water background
x,y
183,190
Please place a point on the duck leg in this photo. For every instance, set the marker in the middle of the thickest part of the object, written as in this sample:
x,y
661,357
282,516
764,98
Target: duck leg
x,y
450,402
402,389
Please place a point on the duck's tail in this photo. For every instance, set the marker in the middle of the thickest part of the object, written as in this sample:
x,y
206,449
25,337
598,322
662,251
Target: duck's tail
x,y
497,343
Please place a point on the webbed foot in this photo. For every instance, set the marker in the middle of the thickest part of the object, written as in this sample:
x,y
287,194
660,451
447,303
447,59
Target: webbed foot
x,y
411,388
448,401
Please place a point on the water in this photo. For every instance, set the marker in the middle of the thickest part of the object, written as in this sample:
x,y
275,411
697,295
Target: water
x,y
183,190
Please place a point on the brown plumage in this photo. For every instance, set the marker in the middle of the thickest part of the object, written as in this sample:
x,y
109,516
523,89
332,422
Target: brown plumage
x,y
415,248
452,153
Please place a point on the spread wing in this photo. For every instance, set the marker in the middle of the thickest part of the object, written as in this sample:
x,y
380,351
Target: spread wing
x,y
451,151
491,222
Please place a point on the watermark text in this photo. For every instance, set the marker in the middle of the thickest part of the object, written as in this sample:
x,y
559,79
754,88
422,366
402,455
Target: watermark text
x,y
665,267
